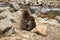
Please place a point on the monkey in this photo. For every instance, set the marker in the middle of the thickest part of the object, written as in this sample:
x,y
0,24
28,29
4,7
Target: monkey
x,y
24,19
27,21
31,23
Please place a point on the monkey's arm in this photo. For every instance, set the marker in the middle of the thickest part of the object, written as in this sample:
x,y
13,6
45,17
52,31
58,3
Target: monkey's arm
x,y
32,25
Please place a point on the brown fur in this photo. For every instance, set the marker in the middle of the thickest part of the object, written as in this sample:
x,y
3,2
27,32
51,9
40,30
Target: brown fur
x,y
27,21
31,23
25,13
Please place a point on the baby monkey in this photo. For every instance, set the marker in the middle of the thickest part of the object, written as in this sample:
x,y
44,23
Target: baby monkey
x,y
27,21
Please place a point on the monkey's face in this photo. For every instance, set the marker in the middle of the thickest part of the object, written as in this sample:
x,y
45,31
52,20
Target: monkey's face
x,y
26,14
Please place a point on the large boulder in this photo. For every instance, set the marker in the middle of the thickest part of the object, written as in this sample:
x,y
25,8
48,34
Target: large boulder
x,y
5,25
5,20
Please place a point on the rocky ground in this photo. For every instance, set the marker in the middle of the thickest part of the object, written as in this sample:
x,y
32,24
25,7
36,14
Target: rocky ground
x,y
52,34
46,29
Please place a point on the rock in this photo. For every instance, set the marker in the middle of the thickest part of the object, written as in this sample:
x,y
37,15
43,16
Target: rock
x,y
2,15
13,0
8,14
41,20
4,24
19,12
5,20
4,8
7,23
32,10
53,21
16,16
58,18
40,28
5,0
14,5
26,36
3,4
47,21
19,1
25,39
11,31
